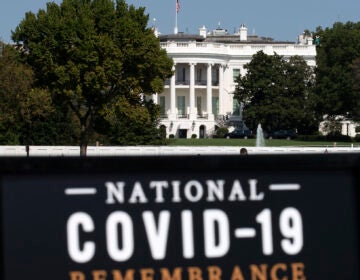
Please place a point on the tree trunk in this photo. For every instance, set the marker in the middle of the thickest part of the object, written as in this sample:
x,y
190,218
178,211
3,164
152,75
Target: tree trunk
x,y
83,148
83,139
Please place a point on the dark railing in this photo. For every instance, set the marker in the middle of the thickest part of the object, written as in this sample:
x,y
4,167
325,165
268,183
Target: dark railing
x,y
200,82
182,82
202,116
187,82
183,116
220,120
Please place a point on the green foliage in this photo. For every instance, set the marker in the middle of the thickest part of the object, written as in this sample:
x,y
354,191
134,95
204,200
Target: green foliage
x,y
277,93
23,109
332,125
338,70
91,54
338,137
131,124
220,132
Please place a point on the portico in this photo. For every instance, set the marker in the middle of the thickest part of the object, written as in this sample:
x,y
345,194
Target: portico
x,y
194,86
192,96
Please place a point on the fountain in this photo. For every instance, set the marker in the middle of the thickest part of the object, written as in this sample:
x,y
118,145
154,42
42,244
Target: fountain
x,y
260,141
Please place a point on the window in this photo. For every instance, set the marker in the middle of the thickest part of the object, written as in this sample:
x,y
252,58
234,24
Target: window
x,y
162,105
198,75
215,76
236,107
236,74
181,105
181,74
198,105
215,105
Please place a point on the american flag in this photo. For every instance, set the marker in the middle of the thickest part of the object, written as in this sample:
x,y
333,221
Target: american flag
x,y
177,6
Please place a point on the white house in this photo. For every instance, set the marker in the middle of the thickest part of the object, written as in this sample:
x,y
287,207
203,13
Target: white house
x,y
199,96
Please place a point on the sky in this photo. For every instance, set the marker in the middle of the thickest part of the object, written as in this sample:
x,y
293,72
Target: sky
x,y
282,20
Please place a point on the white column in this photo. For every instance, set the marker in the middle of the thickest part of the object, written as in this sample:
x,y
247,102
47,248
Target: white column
x,y
173,95
192,108
209,92
221,89
155,98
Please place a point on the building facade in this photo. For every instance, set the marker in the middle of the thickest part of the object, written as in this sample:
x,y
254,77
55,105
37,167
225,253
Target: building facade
x,y
199,96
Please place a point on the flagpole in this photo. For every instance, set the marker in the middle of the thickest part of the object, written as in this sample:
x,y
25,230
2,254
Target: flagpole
x,y
176,18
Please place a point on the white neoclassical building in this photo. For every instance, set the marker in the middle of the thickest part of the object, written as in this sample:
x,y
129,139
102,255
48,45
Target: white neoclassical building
x,y
199,96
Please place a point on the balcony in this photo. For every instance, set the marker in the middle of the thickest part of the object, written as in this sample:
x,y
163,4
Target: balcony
x,y
182,82
187,83
202,116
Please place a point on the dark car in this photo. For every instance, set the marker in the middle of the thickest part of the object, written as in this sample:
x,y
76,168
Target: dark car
x,y
239,133
282,134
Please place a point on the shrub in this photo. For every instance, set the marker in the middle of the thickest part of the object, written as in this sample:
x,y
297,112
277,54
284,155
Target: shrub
x,y
330,137
338,137
193,136
171,136
220,132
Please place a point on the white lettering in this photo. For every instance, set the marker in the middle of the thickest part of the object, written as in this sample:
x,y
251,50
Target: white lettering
x,y
138,194
112,236
115,191
213,218
157,236
176,191
253,191
159,186
79,254
199,191
237,192
215,190
187,234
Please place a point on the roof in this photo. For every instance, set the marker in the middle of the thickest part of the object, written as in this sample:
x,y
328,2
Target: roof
x,y
223,38
181,37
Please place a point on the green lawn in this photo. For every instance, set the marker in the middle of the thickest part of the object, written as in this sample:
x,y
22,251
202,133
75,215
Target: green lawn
x,y
252,142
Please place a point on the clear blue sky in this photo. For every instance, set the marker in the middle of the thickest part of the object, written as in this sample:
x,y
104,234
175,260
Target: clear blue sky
x,y
279,19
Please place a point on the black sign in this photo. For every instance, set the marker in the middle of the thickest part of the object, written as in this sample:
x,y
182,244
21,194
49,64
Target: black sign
x,y
181,218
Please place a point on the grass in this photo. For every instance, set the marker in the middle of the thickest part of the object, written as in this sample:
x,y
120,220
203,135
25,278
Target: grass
x,y
252,142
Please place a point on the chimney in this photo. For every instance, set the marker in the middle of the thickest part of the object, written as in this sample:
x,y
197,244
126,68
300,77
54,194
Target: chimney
x,y
243,33
202,31
309,40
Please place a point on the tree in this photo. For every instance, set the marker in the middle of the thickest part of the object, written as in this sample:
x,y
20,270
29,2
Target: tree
x,y
277,93
21,105
132,124
91,54
355,67
336,55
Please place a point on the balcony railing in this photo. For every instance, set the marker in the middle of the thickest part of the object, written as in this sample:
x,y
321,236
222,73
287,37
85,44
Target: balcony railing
x,y
182,82
200,82
187,82
202,116
183,116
